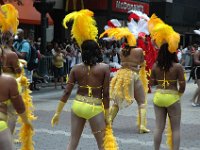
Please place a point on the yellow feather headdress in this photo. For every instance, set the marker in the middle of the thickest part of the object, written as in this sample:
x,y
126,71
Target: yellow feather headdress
x,y
120,33
8,19
84,26
162,33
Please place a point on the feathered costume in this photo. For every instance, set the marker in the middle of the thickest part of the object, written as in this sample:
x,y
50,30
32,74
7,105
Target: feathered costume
x,y
122,84
162,33
8,24
138,25
84,28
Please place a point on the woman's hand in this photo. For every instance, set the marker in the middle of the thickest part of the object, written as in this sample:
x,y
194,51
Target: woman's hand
x,y
55,119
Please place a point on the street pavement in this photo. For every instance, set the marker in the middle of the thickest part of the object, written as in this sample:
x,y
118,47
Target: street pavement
x,y
125,130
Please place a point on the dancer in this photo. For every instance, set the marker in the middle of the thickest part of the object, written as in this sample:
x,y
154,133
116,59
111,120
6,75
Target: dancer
x,y
92,79
10,65
126,85
168,74
196,77
138,25
9,94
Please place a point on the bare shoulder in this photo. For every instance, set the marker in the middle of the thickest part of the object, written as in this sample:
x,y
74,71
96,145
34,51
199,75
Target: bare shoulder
x,y
14,55
178,66
104,66
138,49
77,66
9,78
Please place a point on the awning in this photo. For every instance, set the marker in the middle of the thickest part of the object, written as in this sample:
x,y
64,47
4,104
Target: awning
x,y
28,14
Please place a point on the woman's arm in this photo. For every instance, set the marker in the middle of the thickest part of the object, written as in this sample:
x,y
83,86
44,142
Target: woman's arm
x,y
153,80
69,86
63,100
181,79
15,97
106,99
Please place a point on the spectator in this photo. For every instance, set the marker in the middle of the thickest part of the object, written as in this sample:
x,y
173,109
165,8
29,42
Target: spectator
x,y
23,50
58,62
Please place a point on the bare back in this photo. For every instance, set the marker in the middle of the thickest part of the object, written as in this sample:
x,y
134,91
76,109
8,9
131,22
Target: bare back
x,y
95,77
11,64
9,89
168,79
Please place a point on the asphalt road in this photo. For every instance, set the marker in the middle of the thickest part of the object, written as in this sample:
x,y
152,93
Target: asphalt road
x,y
125,130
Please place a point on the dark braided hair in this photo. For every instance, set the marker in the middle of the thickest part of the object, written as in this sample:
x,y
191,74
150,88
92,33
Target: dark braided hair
x,y
90,52
1,55
127,50
166,59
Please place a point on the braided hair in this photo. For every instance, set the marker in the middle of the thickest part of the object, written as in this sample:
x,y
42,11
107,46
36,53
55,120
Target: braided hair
x,y
166,59
90,52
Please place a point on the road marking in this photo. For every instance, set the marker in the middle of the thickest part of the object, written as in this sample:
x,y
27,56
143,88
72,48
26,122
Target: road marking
x,y
121,140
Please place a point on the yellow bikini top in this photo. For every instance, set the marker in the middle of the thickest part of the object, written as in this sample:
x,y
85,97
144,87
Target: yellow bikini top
x,y
90,87
166,82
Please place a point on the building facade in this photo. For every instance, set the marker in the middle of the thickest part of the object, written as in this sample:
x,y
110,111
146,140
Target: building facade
x,y
183,15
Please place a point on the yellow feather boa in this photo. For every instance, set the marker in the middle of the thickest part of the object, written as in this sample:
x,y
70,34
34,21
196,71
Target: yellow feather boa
x,y
119,85
25,133
109,139
169,134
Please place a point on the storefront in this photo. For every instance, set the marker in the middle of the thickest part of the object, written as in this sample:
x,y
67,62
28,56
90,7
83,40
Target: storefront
x,y
29,19
108,9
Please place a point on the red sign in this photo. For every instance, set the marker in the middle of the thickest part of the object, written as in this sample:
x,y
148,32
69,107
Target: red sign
x,y
127,5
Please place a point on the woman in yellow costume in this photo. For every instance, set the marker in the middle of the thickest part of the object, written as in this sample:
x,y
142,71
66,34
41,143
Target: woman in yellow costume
x,y
126,85
10,63
92,79
9,93
168,74
11,66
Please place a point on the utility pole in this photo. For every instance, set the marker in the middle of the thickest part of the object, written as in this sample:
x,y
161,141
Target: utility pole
x,y
43,7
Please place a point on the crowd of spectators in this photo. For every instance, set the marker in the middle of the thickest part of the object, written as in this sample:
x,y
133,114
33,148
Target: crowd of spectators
x,y
62,56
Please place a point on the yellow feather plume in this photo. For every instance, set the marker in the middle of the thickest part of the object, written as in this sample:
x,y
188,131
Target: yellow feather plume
x,y
110,142
9,18
162,33
120,33
169,141
153,21
84,26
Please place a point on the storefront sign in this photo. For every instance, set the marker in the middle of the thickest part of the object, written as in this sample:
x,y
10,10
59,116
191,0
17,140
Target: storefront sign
x,y
127,5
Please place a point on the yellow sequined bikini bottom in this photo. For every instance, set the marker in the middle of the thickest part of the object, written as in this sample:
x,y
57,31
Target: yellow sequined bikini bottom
x,y
3,125
165,98
87,107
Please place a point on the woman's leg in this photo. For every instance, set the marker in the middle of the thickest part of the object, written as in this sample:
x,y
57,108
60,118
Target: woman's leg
x,y
160,113
12,118
140,98
174,112
77,125
98,126
6,142
196,94
198,89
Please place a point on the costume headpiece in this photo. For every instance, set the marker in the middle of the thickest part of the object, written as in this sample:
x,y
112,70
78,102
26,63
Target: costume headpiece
x,y
138,23
119,33
8,19
84,26
162,33
113,23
